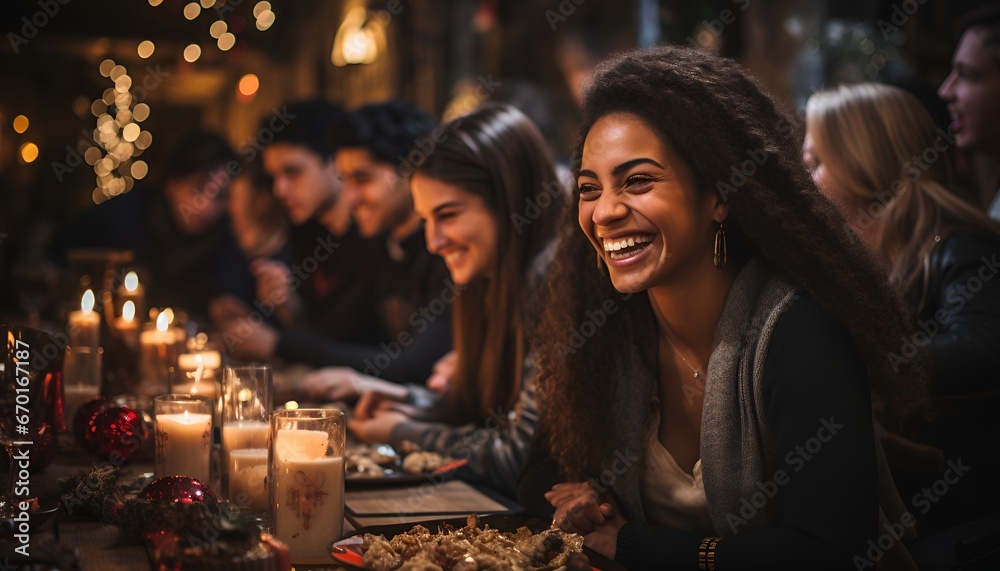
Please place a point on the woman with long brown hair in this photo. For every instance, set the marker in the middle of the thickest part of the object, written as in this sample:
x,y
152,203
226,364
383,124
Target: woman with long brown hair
x,y
876,153
490,198
721,415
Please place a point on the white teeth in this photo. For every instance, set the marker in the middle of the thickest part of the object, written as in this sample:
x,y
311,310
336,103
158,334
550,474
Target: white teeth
x,y
631,241
628,243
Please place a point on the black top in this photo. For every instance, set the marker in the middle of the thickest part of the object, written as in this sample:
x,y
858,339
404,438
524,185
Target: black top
x,y
412,303
336,277
961,317
182,270
814,379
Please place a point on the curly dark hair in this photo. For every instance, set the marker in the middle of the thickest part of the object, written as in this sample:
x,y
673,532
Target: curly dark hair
x,y
712,114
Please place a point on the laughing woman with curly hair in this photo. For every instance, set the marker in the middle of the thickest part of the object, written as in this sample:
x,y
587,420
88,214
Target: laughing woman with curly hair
x,y
707,387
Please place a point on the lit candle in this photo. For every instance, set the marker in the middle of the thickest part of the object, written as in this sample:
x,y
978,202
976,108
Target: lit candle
x,y
183,445
201,384
307,493
157,355
85,325
132,291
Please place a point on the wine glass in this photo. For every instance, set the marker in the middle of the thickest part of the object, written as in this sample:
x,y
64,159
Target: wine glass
x,y
31,398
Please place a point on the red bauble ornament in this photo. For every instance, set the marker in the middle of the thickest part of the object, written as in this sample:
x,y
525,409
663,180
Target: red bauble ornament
x,y
85,415
117,433
177,490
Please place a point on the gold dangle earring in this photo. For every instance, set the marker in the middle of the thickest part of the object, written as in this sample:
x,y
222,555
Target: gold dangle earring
x,y
719,259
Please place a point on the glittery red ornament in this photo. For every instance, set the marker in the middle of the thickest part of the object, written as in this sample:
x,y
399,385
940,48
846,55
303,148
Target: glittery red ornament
x,y
85,415
117,433
177,490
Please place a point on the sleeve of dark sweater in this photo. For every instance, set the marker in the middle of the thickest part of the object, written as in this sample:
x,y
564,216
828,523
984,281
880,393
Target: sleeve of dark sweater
x,y
496,450
965,353
821,437
408,359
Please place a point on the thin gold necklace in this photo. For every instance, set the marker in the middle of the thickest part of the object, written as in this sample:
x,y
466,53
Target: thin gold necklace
x,y
697,372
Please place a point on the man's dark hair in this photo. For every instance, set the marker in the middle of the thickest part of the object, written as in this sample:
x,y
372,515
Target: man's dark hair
x,y
199,152
986,20
387,130
312,124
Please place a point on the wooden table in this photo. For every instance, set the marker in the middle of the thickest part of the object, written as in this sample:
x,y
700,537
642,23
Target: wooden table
x,y
100,548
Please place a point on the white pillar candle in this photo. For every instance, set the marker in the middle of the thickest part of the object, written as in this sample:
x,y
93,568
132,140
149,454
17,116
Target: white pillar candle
x,y
184,445
157,351
85,325
308,494
247,479
244,434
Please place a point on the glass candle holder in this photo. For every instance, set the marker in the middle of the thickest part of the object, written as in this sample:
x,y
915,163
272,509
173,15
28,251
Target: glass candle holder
x,y
306,477
183,437
246,407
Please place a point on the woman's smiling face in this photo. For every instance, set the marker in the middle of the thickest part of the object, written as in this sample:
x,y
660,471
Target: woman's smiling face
x,y
639,207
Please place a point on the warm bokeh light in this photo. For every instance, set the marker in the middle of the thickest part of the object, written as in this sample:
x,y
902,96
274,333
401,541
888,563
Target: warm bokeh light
x,y
248,84
206,4
192,53
128,311
162,321
155,2
227,41
260,7
87,301
140,169
116,72
291,405
144,140
218,28
265,20
192,10
92,155
29,152
130,133
106,67
146,49
169,313
123,83
21,123
141,112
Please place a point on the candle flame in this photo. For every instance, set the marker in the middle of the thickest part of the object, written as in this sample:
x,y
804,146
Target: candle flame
x,y
169,313
162,322
244,395
128,311
291,405
131,282
87,302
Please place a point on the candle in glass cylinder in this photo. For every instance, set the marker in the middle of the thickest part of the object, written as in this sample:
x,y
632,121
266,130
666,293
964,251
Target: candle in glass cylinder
x,y
307,481
183,437
248,478
85,325
201,383
157,355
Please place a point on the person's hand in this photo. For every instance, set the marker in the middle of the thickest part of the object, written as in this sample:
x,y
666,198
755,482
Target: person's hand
x,y
604,538
274,280
579,507
387,396
378,428
341,384
442,374
226,309
248,341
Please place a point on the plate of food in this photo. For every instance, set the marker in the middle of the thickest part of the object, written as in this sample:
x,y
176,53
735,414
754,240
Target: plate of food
x,y
381,464
468,544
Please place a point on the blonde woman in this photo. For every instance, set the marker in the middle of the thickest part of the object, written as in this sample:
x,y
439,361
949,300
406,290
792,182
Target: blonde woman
x,y
876,153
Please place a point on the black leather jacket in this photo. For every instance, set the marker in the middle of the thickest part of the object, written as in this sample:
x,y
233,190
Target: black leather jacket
x,y
961,312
